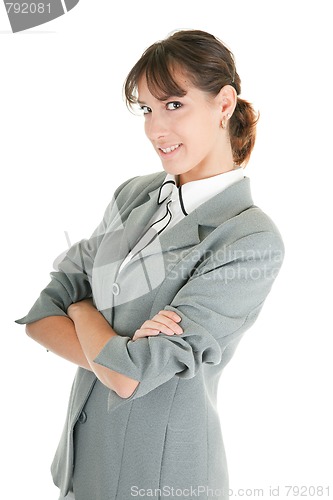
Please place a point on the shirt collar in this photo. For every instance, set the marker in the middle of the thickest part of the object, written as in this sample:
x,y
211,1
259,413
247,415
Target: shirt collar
x,y
194,193
168,187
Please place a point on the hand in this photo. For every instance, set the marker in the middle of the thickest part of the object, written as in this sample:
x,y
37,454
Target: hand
x,y
163,322
77,306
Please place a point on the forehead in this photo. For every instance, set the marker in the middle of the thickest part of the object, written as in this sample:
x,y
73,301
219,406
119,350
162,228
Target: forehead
x,y
191,93
183,87
163,86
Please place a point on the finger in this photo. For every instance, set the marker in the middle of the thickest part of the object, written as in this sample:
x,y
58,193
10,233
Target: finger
x,y
162,327
145,332
171,314
155,325
151,328
165,320
168,318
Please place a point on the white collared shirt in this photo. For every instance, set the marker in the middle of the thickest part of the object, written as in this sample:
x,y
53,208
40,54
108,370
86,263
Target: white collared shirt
x,y
175,203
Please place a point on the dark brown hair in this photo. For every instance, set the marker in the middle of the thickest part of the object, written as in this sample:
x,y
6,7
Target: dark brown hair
x,y
209,65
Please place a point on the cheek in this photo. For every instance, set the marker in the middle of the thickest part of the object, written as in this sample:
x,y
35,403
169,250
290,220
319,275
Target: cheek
x,y
199,134
199,126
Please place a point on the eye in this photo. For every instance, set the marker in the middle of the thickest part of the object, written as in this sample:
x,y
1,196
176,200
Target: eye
x,y
145,110
173,105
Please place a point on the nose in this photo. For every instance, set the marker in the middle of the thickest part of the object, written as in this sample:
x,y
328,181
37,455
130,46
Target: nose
x,y
156,127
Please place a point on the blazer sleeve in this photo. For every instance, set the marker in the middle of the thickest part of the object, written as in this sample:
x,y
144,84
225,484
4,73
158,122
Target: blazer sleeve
x,y
71,282
217,304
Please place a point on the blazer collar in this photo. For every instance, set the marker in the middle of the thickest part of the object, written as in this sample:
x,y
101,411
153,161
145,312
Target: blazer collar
x,y
221,207
225,205
192,194
210,214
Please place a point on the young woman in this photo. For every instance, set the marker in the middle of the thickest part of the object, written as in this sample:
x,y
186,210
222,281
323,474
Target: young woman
x,y
153,305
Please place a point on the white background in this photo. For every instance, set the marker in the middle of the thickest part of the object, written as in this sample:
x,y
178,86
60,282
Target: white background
x,y
67,141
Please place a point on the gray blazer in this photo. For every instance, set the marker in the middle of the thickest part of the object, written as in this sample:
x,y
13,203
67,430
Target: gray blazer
x,y
215,269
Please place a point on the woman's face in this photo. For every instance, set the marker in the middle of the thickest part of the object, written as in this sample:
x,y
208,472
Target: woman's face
x,y
186,132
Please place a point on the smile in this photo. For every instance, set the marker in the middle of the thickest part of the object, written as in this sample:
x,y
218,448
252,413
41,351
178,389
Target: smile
x,y
170,149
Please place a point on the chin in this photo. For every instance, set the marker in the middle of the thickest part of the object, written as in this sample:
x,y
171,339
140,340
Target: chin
x,y
174,170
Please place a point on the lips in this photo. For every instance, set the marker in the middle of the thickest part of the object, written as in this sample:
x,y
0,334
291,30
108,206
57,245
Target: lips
x,y
169,149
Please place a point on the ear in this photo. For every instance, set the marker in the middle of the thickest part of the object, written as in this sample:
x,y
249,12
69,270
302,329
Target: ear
x,y
227,100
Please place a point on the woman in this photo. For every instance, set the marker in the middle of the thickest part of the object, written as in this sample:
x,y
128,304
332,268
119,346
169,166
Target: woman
x,y
153,305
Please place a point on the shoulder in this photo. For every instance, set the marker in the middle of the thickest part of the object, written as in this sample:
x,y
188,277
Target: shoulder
x,y
234,229
262,238
231,216
253,229
254,220
257,245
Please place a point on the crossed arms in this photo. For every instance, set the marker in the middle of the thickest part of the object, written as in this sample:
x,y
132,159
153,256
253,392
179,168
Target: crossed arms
x,y
82,335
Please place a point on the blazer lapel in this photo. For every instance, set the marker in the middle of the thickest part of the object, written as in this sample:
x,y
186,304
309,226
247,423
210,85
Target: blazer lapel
x,y
138,219
184,234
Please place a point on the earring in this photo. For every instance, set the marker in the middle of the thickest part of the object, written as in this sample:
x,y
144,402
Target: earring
x,y
224,122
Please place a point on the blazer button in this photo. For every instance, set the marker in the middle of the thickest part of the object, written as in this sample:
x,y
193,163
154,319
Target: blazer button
x,y
115,289
82,417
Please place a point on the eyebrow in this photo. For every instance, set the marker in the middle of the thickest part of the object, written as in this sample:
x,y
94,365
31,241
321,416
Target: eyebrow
x,y
164,100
